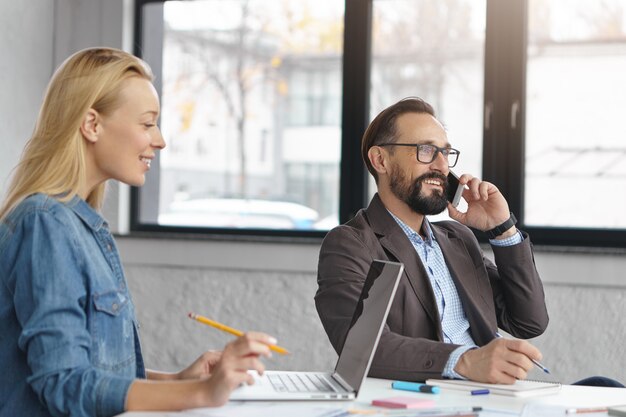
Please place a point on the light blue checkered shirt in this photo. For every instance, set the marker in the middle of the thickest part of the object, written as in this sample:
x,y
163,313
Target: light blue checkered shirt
x,y
454,324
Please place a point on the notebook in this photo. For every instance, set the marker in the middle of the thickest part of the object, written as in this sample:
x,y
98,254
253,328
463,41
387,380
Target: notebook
x,y
522,388
356,355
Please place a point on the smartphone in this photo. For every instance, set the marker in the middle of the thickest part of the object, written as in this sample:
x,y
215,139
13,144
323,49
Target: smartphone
x,y
455,189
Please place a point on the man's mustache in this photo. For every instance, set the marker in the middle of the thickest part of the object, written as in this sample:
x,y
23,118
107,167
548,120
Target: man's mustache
x,y
432,176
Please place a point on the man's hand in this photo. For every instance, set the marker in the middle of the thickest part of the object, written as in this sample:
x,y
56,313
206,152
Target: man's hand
x,y
502,361
486,206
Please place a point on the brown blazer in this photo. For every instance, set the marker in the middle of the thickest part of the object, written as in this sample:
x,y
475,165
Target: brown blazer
x,y
509,295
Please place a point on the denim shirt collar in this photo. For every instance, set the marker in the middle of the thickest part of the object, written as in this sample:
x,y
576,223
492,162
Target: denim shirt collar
x,y
86,213
412,234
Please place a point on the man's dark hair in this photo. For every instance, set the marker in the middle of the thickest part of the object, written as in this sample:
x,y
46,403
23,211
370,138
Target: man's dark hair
x,y
383,128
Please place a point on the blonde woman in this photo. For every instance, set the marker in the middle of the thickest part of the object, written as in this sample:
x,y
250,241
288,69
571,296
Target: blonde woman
x,y
69,343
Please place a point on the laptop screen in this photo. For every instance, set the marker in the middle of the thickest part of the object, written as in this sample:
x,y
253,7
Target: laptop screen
x,y
368,320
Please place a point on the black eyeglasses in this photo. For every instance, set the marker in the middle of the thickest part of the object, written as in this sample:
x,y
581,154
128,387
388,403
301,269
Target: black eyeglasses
x,y
427,153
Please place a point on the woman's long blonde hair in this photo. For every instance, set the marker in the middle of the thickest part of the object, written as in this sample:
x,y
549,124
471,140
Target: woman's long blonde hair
x,y
53,161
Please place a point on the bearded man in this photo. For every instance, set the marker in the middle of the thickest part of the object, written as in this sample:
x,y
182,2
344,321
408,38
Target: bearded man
x,y
451,300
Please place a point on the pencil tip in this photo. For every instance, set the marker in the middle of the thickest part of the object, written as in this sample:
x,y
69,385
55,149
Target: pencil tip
x,y
191,315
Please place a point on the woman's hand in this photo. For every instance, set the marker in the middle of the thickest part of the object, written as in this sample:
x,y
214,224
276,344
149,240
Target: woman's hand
x,y
231,370
201,367
207,382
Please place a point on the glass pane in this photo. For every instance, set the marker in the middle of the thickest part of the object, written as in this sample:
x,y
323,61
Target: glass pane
x,y
433,49
251,102
575,125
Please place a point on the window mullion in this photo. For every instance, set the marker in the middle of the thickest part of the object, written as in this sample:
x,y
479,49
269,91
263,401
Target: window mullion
x,y
355,106
505,63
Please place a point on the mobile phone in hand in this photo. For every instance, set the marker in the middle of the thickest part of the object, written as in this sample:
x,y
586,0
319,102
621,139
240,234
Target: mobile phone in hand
x,y
455,189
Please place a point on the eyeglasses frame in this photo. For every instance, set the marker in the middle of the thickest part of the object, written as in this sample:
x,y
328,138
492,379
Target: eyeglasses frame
x,y
444,151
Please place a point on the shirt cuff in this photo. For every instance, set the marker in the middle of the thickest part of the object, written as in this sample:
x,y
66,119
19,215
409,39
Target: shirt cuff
x,y
448,370
516,239
111,395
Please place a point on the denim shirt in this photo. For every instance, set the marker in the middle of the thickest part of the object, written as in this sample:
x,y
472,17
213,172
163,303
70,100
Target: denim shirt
x,y
68,336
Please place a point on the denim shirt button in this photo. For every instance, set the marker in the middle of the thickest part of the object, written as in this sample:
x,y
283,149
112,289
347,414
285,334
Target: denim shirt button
x,y
115,306
109,247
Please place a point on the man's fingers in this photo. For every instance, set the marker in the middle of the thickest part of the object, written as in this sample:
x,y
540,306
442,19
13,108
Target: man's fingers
x,y
525,348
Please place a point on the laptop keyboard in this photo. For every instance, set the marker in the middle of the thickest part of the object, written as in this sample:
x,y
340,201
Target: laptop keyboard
x,y
305,382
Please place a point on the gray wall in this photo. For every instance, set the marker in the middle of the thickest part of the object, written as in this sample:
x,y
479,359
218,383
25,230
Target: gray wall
x,y
263,286
270,287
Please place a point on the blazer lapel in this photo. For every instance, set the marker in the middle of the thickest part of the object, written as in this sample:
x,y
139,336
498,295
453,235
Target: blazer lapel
x,y
396,243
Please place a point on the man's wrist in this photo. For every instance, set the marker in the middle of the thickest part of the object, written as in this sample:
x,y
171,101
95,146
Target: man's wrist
x,y
503,230
450,370
507,234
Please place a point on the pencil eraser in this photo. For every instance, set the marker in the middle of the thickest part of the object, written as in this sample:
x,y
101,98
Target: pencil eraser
x,y
403,402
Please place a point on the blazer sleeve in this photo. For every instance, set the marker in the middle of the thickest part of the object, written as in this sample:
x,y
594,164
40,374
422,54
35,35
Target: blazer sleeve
x,y
517,290
344,261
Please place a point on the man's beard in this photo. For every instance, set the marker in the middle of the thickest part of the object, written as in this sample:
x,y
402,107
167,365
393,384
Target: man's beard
x,y
411,194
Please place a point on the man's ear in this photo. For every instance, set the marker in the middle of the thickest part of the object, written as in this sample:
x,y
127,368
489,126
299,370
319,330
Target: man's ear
x,y
378,159
90,126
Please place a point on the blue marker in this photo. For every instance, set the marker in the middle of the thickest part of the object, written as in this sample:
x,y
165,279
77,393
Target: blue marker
x,y
480,392
415,387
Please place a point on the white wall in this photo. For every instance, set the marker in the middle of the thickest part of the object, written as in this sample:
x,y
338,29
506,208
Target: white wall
x,y
26,62
265,286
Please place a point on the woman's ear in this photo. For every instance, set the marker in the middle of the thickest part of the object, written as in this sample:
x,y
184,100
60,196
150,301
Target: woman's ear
x,y
378,159
90,127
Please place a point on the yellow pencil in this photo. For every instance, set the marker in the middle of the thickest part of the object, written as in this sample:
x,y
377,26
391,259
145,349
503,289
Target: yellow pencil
x,y
230,330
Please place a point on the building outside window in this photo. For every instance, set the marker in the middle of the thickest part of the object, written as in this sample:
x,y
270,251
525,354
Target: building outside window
x,y
575,107
251,111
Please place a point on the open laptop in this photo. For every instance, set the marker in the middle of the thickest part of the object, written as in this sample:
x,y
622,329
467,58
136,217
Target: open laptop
x,y
355,358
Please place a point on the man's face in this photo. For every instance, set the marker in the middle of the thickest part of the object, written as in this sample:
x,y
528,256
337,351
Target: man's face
x,y
421,186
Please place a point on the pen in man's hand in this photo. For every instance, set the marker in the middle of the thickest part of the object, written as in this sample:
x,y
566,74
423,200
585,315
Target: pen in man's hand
x,y
536,362
543,368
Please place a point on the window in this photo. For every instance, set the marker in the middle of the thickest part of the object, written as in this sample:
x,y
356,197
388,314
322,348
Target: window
x,y
251,111
575,107
265,102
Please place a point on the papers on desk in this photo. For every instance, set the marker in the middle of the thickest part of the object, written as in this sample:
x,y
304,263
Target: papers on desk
x,y
296,409
264,409
523,388
543,410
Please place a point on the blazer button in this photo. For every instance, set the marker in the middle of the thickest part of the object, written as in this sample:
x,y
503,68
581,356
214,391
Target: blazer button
x,y
428,364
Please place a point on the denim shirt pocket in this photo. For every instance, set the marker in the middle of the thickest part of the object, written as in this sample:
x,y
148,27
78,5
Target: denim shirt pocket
x,y
113,340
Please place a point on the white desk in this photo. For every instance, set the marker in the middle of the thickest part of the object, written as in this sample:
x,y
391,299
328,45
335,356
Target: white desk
x,y
570,396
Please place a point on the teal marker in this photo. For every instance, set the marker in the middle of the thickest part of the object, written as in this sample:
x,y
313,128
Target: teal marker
x,y
415,387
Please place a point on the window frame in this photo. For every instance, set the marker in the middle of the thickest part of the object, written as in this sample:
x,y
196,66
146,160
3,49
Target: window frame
x,y
503,117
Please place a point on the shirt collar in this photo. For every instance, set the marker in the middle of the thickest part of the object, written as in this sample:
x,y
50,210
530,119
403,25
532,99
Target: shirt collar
x,y
428,231
86,213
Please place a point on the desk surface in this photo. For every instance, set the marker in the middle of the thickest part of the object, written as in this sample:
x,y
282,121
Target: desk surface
x,y
570,396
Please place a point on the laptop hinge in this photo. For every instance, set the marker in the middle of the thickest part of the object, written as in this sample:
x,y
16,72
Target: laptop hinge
x,y
342,382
